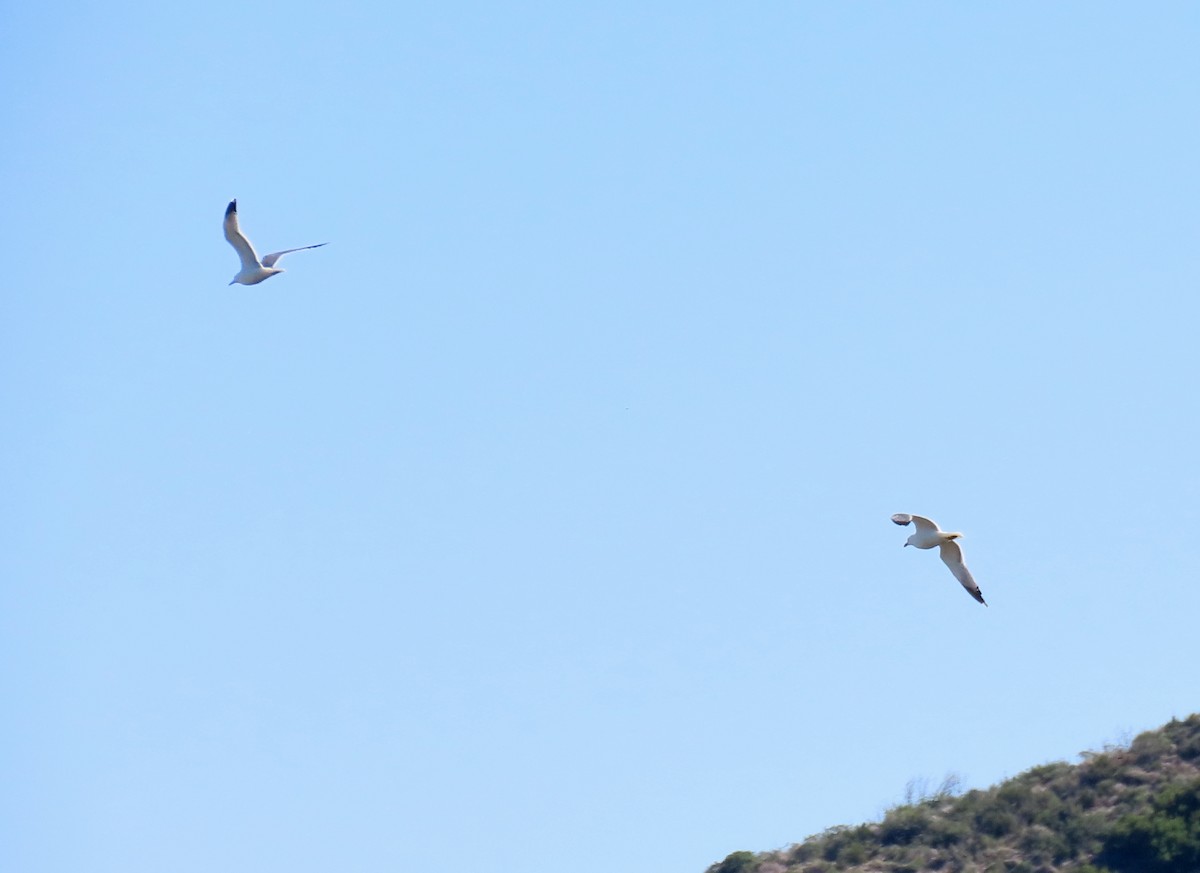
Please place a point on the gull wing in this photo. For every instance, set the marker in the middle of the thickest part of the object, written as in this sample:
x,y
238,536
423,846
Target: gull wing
x,y
269,260
952,558
924,525
236,239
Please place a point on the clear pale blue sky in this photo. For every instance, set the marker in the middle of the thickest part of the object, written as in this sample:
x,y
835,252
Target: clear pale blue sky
x,y
540,521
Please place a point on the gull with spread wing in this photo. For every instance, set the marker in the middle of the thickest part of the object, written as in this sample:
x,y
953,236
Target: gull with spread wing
x,y
929,535
253,270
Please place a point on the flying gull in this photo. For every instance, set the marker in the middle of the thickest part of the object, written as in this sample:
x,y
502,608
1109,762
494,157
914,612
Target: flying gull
x,y
253,270
929,535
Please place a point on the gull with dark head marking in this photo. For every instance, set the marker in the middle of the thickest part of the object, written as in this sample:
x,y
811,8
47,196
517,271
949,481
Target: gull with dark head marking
x,y
929,535
253,270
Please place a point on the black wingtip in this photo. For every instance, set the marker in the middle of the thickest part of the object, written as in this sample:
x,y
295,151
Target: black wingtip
x,y
231,209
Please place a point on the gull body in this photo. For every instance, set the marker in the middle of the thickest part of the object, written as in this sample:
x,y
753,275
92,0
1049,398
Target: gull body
x,y
928,536
253,270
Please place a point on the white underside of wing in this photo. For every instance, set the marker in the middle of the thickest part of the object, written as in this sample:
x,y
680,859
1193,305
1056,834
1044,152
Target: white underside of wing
x,y
952,557
924,525
240,244
269,260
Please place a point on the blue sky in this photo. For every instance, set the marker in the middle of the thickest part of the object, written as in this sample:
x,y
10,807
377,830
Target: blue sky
x,y
540,520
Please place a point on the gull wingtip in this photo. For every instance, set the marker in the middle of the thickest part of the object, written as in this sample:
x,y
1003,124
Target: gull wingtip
x,y
232,207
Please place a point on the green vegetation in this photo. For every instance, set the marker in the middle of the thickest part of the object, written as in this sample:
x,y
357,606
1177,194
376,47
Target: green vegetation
x,y
1132,808
1164,840
738,862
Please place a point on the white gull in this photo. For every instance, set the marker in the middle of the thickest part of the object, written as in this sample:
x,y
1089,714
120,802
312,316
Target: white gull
x,y
929,535
253,270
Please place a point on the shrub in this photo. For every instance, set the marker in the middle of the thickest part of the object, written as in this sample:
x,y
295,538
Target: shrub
x,y
852,853
835,843
1189,749
805,851
902,825
1017,797
736,862
995,821
1147,748
1083,833
1184,733
1043,844
1059,777
1166,840
1097,769
945,832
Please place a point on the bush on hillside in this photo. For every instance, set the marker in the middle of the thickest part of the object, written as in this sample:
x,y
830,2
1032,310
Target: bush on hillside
x,y
736,862
1165,840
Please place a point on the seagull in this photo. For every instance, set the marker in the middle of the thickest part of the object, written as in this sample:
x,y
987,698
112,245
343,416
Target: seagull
x,y
929,535
253,270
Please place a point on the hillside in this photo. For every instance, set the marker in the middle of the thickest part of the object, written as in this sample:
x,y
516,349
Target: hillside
x,y
1127,809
